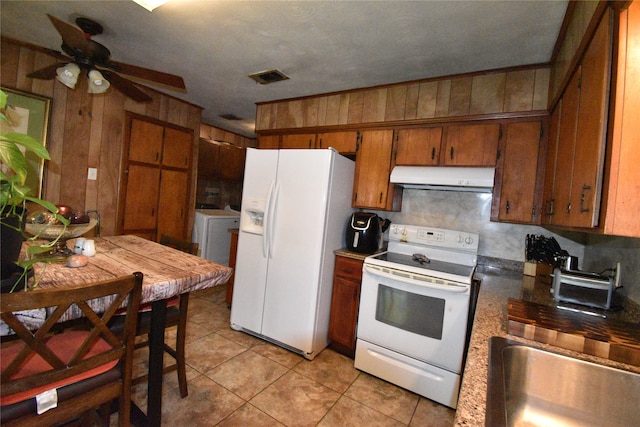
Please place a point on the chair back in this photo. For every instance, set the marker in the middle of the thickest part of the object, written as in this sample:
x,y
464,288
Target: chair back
x,y
179,244
82,351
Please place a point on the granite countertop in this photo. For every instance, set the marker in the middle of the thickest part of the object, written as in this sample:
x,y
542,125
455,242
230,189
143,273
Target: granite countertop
x,y
498,285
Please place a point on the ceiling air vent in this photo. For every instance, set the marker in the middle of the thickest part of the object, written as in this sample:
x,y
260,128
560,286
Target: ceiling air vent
x,y
230,116
269,76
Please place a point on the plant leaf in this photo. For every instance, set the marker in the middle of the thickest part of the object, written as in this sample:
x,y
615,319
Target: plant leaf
x,y
29,143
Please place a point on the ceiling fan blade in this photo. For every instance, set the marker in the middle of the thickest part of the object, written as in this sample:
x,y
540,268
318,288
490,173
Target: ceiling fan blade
x,y
126,87
148,74
72,36
47,72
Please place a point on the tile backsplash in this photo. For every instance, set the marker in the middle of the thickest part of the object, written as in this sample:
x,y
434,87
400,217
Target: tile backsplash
x,y
472,211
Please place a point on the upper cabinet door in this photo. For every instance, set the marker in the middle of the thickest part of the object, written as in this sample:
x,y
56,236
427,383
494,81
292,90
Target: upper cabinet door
x,y
342,142
145,142
471,145
419,146
519,170
269,141
591,130
371,187
177,148
303,140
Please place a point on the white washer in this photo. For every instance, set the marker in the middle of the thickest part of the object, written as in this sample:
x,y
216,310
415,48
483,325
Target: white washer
x,y
211,233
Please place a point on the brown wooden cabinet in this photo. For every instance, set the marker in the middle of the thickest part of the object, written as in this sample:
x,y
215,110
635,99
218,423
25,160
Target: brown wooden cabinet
x,y
233,250
518,188
470,145
298,140
269,141
345,300
418,146
343,142
374,161
623,177
217,160
156,179
580,141
208,154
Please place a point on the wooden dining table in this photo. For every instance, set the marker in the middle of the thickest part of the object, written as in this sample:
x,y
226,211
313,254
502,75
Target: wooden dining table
x,y
167,272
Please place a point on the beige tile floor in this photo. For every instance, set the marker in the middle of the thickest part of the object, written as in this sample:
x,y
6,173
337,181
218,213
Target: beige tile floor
x,y
235,379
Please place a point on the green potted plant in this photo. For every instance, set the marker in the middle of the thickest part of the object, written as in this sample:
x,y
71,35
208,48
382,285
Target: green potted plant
x,y
15,197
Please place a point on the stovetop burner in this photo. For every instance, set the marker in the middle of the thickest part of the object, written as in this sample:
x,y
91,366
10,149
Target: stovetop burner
x,y
432,266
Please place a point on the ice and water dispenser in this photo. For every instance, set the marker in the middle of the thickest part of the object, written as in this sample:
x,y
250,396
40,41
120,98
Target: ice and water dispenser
x,y
253,216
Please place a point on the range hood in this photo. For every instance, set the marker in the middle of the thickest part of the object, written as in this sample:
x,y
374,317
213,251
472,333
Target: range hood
x,y
475,179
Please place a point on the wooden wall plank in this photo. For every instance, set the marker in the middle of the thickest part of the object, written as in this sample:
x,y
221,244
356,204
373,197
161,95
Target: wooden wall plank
x,y
55,145
396,103
76,146
443,98
282,119
40,86
427,99
411,103
110,163
322,110
9,63
373,105
460,96
332,115
356,105
25,66
487,94
541,89
310,112
95,147
519,90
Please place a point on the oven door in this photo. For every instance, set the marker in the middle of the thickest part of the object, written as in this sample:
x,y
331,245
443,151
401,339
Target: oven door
x,y
417,316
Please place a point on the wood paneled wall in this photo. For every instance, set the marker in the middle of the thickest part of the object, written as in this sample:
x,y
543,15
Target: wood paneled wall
x,y
483,94
87,131
217,134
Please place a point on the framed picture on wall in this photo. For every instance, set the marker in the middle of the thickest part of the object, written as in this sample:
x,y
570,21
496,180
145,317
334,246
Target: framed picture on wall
x,y
28,113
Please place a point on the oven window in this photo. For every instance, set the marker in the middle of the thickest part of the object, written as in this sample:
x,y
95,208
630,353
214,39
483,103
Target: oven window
x,y
411,312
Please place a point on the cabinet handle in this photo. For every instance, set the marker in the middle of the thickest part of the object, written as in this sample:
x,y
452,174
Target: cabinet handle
x,y
533,211
381,197
153,211
310,143
549,204
451,153
508,207
433,153
569,207
320,142
157,155
582,197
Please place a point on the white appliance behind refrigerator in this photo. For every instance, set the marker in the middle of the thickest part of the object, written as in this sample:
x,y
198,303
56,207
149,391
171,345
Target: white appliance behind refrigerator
x,y
295,205
211,233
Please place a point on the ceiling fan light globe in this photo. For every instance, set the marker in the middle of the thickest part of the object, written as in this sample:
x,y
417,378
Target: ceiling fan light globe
x,y
68,75
97,82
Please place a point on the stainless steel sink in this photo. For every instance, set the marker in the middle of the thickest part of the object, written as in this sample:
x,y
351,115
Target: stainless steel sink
x,y
532,387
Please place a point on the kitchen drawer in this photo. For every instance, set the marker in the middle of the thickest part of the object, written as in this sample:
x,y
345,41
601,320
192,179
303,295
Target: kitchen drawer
x,y
348,267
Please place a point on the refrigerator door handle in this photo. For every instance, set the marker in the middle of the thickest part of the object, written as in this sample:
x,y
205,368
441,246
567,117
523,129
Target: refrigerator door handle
x,y
272,218
267,217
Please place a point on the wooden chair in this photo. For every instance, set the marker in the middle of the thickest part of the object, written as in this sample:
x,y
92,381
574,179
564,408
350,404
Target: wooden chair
x,y
83,368
176,316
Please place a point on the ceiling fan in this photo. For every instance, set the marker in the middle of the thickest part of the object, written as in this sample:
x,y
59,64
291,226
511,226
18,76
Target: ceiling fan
x,y
87,54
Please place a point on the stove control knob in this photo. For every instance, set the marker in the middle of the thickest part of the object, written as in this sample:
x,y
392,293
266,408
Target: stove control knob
x,y
468,240
459,239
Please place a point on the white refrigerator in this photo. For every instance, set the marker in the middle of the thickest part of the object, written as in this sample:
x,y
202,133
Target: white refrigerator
x,y
295,205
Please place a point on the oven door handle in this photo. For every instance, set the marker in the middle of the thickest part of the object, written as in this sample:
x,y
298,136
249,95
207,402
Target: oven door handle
x,y
409,278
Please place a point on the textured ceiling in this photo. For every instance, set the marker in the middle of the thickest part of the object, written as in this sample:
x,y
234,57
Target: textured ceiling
x,y
322,46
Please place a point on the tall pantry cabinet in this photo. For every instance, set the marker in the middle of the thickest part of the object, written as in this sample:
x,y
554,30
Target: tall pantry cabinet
x,y
156,179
